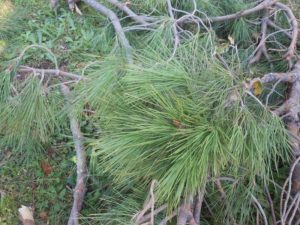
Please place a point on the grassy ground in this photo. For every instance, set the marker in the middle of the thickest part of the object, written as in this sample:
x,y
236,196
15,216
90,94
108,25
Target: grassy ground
x,y
44,179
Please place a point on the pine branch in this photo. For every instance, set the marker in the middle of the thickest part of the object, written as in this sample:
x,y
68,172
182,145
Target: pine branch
x,y
295,30
52,72
198,206
262,6
128,11
174,27
116,24
82,172
261,48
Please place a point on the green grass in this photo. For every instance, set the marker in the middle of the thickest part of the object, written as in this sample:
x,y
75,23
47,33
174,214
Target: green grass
x,y
25,183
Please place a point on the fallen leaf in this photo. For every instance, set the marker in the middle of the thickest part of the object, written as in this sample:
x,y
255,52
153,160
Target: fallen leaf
x,y
178,124
47,169
77,10
26,215
231,40
257,88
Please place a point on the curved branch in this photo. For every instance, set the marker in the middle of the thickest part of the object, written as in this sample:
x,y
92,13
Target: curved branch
x,y
294,24
261,48
123,7
116,24
262,6
53,72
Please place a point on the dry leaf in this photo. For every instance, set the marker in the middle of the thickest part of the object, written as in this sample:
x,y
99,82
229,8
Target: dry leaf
x,y
231,40
178,124
257,88
26,215
77,10
47,169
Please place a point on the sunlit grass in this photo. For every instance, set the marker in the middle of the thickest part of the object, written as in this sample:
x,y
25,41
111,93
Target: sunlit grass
x,y
2,45
6,8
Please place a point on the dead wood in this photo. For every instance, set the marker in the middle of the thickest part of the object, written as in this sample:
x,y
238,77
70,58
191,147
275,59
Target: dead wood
x,y
82,172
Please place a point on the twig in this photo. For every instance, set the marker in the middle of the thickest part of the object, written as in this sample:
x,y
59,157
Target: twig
x,y
82,172
148,205
72,4
293,20
165,220
272,24
261,49
116,24
123,7
270,201
295,210
53,72
263,5
174,27
185,215
198,206
155,212
260,209
223,197
288,182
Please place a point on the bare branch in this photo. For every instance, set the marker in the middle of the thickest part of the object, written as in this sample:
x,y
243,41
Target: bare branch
x,y
270,201
263,5
274,25
116,23
185,215
149,204
261,48
198,206
53,72
82,172
174,27
123,7
168,218
261,210
294,24
155,212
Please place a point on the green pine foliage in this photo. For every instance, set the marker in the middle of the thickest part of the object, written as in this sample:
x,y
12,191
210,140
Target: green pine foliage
x,y
29,118
170,121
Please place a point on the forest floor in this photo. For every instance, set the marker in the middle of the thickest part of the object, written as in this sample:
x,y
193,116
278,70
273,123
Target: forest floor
x,y
43,179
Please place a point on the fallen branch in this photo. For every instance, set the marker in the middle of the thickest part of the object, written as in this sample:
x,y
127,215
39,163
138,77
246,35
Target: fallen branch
x,y
147,217
262,6
294,24
185,215
174,28
123,7
275,26
271,206
116,24
82,172
198,206
261,48
224,198
52,72
260,209
168,218
149,205
290,110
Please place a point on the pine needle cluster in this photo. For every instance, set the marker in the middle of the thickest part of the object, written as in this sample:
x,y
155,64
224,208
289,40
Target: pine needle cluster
x,y
172,121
